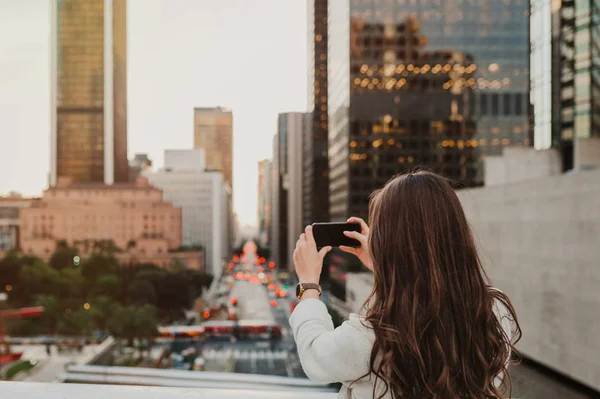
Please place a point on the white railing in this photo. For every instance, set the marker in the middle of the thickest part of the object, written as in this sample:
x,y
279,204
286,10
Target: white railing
x,y
77,391
189,379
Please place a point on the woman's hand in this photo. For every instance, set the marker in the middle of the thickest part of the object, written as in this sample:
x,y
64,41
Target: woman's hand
x,y
361,252
307,260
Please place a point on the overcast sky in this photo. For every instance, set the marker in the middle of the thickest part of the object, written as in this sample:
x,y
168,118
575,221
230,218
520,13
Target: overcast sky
x,y
249,56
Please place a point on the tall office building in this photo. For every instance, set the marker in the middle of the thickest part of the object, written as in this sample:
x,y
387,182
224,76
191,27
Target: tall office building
x,y
565,78
431,83
286,181
264,202
89,91
291,126
278,227
315,186
213,131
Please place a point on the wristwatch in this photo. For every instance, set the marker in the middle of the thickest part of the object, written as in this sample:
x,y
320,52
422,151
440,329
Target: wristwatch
x,y
301,287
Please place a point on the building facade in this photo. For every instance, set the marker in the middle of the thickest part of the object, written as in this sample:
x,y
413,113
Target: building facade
x,y
205,202
315,186
10,208
89,91
190,160
434,84
278,206
565,77
292,126
264,202
213,131
132,215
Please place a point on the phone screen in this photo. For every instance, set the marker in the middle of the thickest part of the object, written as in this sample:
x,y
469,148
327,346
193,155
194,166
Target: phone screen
x,y
332,234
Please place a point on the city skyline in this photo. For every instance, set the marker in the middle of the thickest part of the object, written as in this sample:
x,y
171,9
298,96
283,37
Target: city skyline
x,y
229,75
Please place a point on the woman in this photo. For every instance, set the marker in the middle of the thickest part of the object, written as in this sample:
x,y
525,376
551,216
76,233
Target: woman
x,y
434,328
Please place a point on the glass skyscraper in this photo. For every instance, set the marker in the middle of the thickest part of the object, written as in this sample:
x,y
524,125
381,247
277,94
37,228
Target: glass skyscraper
x,y
434,83
315,158
89,91
565,73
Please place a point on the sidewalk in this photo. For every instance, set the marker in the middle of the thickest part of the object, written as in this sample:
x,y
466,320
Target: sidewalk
x,y
50,366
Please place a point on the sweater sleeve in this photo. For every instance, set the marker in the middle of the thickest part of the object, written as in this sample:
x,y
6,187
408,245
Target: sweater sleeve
x,y
327,354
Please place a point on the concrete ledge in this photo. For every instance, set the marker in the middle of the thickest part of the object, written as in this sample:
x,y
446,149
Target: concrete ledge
x,y
76,391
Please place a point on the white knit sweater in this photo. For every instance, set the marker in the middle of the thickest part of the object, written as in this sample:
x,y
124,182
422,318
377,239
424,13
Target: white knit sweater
x,y
342,354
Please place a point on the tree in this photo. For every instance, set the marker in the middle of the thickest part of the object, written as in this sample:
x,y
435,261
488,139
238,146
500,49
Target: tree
x,y
108,285
106,247
63,256
71,284
142,292
102,309
130,322
77,322
52,312
10,277
97,265
38,278
173,295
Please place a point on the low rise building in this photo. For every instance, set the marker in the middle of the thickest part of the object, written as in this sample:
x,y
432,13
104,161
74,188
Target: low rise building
x,y
132,215
205,200
10,207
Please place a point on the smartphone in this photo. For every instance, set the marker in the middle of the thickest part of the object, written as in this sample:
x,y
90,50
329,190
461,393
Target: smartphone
x,y
332,234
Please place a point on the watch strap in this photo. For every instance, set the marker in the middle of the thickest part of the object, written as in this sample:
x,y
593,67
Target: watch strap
x,y
307,286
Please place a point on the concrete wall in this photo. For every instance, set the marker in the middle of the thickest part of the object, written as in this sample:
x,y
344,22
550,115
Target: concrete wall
x,y
586,152
358,288
540,243
521,164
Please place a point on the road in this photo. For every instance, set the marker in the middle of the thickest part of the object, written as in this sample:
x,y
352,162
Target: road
x,y
49,367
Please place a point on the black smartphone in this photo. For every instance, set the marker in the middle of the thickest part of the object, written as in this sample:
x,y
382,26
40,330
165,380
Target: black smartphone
x,y
332,234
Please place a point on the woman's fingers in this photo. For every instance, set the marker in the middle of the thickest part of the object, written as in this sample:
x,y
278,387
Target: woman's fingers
x,y
364,229
324,251
356,235
350,250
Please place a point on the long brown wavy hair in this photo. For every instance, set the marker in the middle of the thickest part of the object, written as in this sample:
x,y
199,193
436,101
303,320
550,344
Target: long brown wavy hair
x,y
432,308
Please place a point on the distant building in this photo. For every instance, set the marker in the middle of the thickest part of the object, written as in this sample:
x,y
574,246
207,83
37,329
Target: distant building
x,y
191,160
205,201
10,207
139,164
422,85
292,124
315,186
264,202
278,205
213,131
89,91
132,215
286,187
565,85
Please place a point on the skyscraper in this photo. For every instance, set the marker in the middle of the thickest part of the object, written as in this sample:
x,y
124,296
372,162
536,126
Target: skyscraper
x,y
565,77
264,202
315,186
431,83
89,91
213,131
286,181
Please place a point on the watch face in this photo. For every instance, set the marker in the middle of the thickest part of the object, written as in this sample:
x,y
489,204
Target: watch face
x,y
297,290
